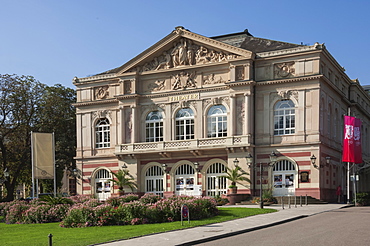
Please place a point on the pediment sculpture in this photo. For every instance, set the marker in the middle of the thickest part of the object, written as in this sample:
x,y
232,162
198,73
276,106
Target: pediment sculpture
x,y
184,53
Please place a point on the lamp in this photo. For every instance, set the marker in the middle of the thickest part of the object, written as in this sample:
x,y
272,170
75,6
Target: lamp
x,y
273,157
327,160
313,161
164,167
249,159
236,162
124,166
196,165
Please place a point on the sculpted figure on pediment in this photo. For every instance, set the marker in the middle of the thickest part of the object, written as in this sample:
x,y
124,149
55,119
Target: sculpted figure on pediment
x,y
184,53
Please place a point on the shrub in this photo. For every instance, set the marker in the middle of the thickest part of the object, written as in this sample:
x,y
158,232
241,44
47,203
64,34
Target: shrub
x,y
137,212
363,198
56,200
149,198
79,216
221,200
45,213
15,213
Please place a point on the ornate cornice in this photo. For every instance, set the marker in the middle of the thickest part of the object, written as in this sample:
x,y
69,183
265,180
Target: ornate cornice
x,y
314,47
78,81
90,103
183,92
282,81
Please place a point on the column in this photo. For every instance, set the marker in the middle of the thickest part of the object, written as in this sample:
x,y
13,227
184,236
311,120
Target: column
x,y
232,115
134,127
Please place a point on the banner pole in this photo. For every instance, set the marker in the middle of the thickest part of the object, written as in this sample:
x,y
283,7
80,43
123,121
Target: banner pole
x,y
32,162
55,171
348,183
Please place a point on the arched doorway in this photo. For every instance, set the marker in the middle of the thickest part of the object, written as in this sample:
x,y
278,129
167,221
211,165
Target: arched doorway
x,y
284,175
102,184
184,180
216,184
154,180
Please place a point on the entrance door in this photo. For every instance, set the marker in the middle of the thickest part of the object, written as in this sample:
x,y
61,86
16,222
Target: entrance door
x,y
216,183
184,180
102,189
284,176
284,184
154,180
102,185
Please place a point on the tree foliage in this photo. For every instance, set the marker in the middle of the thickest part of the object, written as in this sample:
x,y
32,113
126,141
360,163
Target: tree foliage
x,y
123,178
236,175
26,106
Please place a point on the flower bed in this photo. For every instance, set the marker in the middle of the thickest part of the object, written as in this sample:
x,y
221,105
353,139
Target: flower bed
x,y
128,209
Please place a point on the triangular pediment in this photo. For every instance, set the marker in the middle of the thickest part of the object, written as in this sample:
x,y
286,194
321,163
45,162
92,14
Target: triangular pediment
x,y
182,49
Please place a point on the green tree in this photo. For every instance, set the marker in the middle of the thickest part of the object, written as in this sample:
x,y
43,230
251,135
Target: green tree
x,y
123,178
57,114
19,97
27,105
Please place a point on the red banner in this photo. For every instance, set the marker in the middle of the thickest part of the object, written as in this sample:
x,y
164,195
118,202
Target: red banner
x,y
352,151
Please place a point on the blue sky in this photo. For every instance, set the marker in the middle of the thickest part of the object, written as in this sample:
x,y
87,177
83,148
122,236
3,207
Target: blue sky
x,y
57,40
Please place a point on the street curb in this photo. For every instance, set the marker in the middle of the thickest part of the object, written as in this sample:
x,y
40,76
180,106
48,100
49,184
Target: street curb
x,y
229,234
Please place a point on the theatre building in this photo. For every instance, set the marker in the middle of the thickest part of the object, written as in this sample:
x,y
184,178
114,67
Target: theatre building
x,y
189,106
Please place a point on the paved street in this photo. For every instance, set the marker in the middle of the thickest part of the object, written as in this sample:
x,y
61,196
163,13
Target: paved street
x,y
348,226
207,233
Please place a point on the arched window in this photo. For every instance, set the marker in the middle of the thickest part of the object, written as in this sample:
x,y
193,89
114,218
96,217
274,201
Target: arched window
x,y
154,127
102,133
217,121
284,118
184,124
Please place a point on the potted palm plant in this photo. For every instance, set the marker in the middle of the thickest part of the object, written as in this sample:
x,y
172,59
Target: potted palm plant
x,y
235,175
123,178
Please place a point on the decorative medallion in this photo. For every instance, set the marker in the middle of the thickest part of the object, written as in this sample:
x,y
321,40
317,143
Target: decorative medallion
x,y
284,70
101,92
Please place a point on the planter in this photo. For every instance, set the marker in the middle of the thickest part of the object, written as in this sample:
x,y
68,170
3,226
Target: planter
x,y
233,190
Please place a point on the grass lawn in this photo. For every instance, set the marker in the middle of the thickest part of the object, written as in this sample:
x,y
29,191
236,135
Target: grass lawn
x,y
37,234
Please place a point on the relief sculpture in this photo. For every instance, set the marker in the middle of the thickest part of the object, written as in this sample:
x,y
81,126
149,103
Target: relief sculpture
x,y
284,70
184,53
184,80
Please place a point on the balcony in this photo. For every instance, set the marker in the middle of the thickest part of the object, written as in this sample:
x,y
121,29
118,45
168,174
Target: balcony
x,y
191,144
